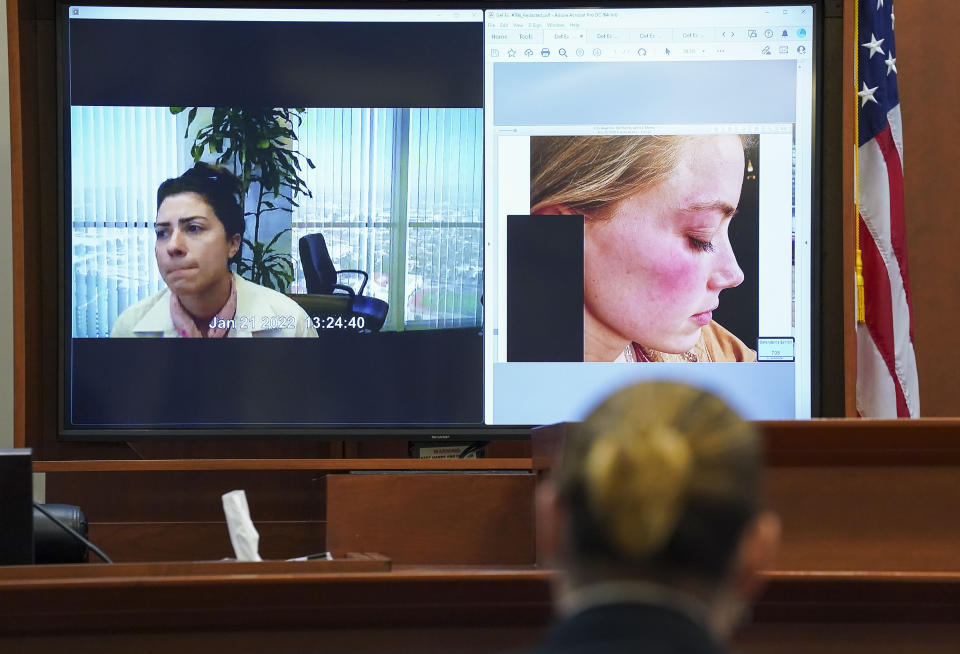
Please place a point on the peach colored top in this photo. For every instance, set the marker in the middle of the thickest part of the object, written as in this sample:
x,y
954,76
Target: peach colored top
x,y
715,344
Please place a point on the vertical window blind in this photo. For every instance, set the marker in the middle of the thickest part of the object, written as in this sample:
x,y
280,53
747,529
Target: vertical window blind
x,y
352,150
445,222
119,156
398,193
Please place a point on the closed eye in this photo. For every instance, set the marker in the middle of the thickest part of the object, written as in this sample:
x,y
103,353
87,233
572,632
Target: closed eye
x,y
702,246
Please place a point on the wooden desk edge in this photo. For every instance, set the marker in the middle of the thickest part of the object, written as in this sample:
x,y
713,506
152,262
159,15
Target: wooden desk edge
x,y
375,567
475,597
328,465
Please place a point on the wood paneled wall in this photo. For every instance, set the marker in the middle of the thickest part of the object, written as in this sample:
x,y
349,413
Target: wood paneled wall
x,y
929,80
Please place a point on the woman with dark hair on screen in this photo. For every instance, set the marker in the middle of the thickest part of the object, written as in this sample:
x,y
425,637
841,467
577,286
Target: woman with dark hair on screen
x,y
199,229
656,254
656,519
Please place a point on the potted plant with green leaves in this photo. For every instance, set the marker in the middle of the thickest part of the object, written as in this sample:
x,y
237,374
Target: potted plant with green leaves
x,y
258,144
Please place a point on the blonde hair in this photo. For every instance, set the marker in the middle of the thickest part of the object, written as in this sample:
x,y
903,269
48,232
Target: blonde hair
x,y
589,173
663,477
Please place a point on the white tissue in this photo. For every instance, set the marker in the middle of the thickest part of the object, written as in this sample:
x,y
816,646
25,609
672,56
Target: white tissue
x,y
243,535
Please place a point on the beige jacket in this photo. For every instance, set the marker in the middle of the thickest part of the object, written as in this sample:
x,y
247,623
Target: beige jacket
x,y
261,312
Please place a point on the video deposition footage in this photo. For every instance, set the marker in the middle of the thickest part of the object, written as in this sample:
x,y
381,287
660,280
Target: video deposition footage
x,y
347,218
322,199
362,240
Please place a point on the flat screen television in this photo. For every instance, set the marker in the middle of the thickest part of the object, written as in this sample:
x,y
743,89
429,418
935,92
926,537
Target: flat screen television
x,y
407,221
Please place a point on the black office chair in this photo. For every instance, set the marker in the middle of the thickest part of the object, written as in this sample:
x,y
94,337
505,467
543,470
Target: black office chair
x,y
327,296
318,269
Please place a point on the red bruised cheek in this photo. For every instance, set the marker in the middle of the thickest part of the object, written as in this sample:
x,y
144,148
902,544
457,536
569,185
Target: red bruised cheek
x,y
672,277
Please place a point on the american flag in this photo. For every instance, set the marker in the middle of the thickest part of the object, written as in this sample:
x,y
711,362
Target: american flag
x,y
887,384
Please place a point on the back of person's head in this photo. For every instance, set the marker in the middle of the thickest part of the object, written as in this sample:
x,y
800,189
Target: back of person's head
x,y
659,483
218,187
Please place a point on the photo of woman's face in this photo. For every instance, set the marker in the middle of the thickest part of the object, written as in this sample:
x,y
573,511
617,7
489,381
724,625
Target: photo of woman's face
x,y
192,247
654,266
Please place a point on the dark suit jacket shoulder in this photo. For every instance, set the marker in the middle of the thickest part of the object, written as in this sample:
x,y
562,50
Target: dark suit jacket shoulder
x,y
628,628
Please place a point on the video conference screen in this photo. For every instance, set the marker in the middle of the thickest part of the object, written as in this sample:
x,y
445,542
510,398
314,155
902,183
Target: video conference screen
x,y
442,219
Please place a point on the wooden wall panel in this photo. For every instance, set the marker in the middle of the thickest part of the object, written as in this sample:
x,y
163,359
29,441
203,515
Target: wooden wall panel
x,y
355,641
869,495
849,256
929,82
823,638
188,496
433,518
849,638
875,518
178,515
135,542
278,607
759,639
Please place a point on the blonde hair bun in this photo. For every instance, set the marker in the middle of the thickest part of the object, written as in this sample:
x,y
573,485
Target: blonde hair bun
x,y
661,475
637,483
